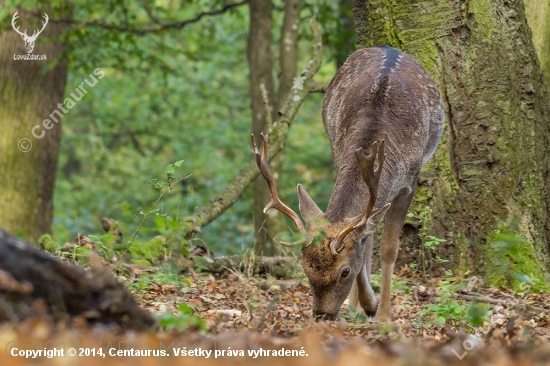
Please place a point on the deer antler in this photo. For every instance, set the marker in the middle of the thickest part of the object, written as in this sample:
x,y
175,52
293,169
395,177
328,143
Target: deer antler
x,y
35,33
371,177
43,26
15,16
261,161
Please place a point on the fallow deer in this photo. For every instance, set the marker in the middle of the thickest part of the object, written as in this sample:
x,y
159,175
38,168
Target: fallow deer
x,y
381,100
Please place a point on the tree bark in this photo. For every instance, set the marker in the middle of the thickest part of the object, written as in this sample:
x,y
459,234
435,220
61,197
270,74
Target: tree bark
x,y
288,50
538,17
33,283
493,159
29,93
260,63
260,58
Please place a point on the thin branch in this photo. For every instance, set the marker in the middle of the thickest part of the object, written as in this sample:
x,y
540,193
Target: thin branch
x,y
268,108
161,27
318,88
146,215
489,300
150,14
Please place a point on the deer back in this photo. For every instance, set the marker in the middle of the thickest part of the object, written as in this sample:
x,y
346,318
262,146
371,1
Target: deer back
x,y
379,93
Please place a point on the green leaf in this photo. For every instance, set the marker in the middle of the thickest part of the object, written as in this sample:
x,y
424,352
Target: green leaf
x,y
476,314
185,309
159,221
440,320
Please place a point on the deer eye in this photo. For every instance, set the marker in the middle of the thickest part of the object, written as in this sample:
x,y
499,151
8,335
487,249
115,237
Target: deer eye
x,y
346,272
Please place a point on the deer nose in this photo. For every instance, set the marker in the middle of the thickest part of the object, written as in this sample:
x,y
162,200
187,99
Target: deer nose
x,y
325,316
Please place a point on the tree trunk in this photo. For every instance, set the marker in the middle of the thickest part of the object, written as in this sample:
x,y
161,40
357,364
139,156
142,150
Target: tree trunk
x,y
288,50
29,95
34,283
538,17
493,160
260,58
345,38
260,63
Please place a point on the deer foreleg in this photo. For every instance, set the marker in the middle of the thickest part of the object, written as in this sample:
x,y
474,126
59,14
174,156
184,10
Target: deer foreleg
x,y
365,294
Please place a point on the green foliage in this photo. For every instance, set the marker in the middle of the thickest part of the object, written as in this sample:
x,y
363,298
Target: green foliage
x,y
164,275
149,252
429,242
48,243
352,315
512,261
186,319
446,310
166,96
477,314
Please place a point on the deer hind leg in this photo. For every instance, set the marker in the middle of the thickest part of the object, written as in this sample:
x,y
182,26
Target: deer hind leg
x,y
389,246
365,294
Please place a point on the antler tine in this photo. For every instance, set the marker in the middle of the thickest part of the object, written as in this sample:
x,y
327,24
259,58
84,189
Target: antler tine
x,y
261,161
16,16
13,18
44,23
306,241
371,176
37,32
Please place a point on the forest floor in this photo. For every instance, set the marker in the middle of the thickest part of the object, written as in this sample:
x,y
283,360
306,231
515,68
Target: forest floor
x,y
234,317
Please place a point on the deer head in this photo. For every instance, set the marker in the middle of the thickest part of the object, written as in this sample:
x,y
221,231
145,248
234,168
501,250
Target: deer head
x,y
332,251
29,40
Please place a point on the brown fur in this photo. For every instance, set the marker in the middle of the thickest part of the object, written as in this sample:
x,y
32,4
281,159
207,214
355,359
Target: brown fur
x,y
378,94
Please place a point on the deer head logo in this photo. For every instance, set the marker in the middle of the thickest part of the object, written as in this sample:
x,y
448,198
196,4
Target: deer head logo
x,y
29,40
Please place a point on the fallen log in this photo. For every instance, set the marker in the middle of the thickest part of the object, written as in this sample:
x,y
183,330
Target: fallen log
x,y
31,279
280,267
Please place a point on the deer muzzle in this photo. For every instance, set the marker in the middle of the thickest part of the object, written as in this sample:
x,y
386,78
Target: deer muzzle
x,y
319,315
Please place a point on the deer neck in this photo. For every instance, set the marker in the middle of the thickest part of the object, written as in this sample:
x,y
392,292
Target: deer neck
x,y
348,198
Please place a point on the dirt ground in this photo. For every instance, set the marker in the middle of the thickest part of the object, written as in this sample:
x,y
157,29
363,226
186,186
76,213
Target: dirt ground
x,y
247,319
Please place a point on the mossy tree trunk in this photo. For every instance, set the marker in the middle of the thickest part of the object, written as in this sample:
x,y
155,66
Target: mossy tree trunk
x,y
29,93
538,17
493,160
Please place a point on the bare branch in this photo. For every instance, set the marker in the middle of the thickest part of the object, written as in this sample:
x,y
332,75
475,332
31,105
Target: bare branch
x,y
317,87
150,14
159,28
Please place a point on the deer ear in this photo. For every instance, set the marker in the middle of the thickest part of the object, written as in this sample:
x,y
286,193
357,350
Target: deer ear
x,y
308,208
